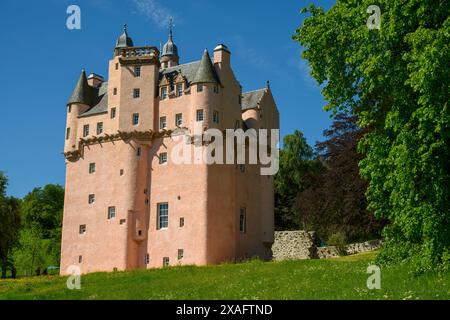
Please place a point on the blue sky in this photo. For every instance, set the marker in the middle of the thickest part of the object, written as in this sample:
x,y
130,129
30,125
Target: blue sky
x,y
42,59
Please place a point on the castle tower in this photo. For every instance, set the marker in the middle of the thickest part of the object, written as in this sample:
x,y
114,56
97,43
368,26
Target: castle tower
x,y
169,55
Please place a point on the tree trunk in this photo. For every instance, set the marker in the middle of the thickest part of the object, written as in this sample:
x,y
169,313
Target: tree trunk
x,y
4,265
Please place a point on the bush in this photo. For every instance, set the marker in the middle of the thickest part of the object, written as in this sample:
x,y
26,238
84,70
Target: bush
x,y
339,241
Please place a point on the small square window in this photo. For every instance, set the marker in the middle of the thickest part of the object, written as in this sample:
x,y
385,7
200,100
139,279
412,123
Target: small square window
x,y
162,123
117,66
136,93
67,133
111,213
91,198
91,168
99,128
200,87
135,119
122,221
121,172
199,115
138,151
80,259
180,254
163,158
179,119
85,130
137,71
216,116
147,259
115,91
82,229
181,222
69,109
166,262
113,113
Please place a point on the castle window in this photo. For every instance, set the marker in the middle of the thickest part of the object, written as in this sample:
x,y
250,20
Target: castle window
x,y
111,213
115,91
85,130
82,229
181,222
179,89
137,71
138,151
216,88
162,123
69,109
200,115
199,87
121,172
163,158
147,259
122,221
136,93
178,119
243,220
166,262
180,254
164,92
99,128
67,133
91,198
80,259
113,113
163,215
91,168
135,119
216,117
117,66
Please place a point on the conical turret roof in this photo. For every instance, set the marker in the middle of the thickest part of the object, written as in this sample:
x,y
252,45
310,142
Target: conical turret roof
x,y
206,73
83,93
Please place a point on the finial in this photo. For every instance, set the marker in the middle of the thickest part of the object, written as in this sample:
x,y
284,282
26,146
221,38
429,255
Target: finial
x,y
171,25
125,28
268,84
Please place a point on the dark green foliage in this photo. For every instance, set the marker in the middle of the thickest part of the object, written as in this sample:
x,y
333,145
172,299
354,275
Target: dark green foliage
x,y
339,241
9,224
396,80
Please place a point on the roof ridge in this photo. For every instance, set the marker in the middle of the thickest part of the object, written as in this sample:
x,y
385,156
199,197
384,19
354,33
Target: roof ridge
x,y
262,89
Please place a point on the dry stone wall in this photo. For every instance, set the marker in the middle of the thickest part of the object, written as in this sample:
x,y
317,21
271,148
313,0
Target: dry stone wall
x,y
292,245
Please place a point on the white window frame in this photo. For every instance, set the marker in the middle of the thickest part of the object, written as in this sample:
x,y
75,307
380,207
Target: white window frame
x,y
162,215
136,93
91,167
199,112
85,130
164,92
179,89
99,128
179,119
91,198
111,213
113,112
162,122
166,261
163,158
180,254
135,119
137,71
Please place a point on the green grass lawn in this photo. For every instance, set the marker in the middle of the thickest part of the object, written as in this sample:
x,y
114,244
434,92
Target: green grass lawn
x,y
341,278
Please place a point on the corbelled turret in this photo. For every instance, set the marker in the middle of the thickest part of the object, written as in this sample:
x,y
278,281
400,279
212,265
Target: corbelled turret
x,y
169,55
83,92
206,72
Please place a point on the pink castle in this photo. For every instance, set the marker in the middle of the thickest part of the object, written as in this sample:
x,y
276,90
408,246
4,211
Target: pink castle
x,y
127,206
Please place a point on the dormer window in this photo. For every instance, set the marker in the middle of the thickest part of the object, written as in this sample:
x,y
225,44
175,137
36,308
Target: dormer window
x,y
164,91
179,89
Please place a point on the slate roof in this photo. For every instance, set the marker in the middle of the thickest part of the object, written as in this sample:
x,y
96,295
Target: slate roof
x,y
83,93
251,99
188,70
206,72
102,102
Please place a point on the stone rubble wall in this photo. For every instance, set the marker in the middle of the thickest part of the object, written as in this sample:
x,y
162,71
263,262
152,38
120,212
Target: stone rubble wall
x,y
292,245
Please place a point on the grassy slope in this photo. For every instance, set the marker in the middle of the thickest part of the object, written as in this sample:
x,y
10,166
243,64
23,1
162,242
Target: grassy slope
x,y
342,278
